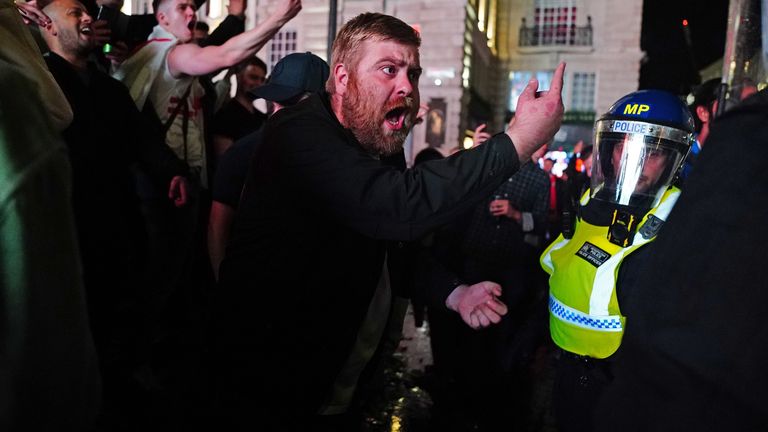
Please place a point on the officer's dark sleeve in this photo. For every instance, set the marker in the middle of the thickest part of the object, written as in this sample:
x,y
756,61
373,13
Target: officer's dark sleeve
x,y
693,354
341,181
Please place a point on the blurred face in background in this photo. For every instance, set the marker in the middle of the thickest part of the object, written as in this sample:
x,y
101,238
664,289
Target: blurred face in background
x,y
71,32
250,77
588,165
178,17
548,164
199,36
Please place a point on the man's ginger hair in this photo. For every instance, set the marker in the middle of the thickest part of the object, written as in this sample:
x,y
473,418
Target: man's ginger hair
x,y
367,26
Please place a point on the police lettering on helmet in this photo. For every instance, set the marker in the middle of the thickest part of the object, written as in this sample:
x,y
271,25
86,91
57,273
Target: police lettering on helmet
x,y
640,144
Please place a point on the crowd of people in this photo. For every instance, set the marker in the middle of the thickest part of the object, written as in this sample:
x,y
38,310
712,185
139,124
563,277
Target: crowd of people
x,y
173,258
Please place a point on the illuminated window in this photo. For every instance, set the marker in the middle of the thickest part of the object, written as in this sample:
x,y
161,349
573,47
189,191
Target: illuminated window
x,y
215,8
583,92
282,44
555,21
519,79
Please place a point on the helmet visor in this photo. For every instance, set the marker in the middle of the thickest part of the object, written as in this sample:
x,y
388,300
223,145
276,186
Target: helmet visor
x,y
635,168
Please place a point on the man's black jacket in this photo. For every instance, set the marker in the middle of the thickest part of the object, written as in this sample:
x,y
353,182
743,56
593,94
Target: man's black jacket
x,y
107,137
308,245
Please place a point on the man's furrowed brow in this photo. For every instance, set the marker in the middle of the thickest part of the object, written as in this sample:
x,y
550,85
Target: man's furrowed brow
x,y
398,61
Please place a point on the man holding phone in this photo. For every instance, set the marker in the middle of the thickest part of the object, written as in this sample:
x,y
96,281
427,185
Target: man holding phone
x,y
120,33
106,138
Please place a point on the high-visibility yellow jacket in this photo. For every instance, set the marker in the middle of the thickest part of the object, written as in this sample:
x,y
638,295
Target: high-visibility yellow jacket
x,y
584,314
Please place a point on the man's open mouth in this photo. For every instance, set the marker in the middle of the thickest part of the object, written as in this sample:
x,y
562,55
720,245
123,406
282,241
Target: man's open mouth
x,y
86,30
396,118
191,25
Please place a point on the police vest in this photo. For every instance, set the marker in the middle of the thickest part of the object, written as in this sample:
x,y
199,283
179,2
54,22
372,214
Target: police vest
x,y
584,314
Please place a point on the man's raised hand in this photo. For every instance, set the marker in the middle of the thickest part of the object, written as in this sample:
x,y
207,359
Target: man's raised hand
x,y
537,117
286,10
480,135
32,14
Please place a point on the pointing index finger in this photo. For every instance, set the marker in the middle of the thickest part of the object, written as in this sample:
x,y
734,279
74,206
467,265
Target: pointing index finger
x,y
557,79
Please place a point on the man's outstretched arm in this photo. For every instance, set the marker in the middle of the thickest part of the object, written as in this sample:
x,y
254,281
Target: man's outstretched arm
x,y
190,59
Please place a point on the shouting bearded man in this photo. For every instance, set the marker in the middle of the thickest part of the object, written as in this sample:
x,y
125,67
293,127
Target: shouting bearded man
x,y
305,287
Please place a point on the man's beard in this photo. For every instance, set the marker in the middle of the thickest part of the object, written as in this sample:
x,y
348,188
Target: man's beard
x,y
72,44
366,119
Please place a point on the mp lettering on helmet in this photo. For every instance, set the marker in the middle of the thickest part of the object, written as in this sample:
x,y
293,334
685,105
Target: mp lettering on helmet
x,y
636,109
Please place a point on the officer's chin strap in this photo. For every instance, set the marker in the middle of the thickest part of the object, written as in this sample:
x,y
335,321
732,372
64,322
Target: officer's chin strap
x,y
568,223
622,229
571,211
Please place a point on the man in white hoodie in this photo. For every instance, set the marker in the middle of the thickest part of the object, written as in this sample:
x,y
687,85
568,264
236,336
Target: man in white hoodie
x,y
162,78
165,70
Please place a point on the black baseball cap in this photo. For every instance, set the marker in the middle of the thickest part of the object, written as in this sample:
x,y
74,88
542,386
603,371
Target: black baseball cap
x,y
706,93
293,75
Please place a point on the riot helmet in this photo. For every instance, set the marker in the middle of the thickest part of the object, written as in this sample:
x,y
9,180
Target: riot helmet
x,y
639,147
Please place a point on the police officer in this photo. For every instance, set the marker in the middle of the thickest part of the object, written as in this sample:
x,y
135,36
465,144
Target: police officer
x,y
640,144
694,354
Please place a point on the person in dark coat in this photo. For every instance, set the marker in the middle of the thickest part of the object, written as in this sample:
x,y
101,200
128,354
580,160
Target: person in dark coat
x,y
49,377
107,137
294,78
693,356
303,295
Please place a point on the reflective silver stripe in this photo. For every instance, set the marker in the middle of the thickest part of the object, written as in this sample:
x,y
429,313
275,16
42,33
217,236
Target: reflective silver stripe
x,y
649,129
665,208
603,287
605,279
605,323
547,260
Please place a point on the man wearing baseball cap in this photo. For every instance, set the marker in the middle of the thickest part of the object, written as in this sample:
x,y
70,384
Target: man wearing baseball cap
x,y
294,78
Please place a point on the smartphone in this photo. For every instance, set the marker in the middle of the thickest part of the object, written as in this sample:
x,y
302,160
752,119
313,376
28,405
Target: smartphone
x,y
117,22
107,14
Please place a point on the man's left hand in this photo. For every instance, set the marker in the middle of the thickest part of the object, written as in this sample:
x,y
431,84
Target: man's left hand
x,y
477,304
480,135
178,190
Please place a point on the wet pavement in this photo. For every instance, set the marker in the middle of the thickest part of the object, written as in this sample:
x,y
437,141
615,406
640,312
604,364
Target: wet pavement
x,y
404,403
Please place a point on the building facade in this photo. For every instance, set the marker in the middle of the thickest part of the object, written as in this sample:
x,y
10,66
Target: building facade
x,y
598,39
463,82
477,55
